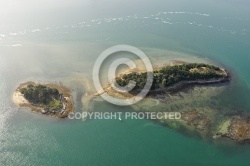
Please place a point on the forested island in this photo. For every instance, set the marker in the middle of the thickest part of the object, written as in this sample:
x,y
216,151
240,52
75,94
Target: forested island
x,y
172,78
49,99
169,76
43,96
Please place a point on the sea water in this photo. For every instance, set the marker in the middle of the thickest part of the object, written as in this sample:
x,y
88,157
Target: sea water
x,y
64,50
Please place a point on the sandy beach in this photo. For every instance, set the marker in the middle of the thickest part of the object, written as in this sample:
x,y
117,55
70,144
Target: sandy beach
x,y
20,100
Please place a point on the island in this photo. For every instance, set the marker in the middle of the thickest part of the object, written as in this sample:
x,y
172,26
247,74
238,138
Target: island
x,y
49,99
209,123
166,79
172,77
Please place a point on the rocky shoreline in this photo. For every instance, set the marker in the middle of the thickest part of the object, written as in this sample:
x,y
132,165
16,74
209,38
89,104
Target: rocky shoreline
x,y
176,87
236,128
206,124
65,97
184,84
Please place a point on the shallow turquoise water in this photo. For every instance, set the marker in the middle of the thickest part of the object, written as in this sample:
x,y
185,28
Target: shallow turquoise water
x,y
108,142
218,31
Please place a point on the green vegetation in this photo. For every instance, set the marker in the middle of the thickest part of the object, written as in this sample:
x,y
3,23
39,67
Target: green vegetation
x,y
55,105
43,96
171,75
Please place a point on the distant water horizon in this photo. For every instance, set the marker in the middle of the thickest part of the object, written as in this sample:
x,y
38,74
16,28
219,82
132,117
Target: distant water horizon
x,y
64,50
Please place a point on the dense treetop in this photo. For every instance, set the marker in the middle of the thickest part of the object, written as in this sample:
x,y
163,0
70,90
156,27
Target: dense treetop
x,y
171,75
43,96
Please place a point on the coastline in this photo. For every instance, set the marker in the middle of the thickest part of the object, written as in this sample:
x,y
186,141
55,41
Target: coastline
x,y
182,84
202,121
20,101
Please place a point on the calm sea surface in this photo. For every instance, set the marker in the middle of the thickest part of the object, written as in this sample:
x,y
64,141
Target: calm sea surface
x,y
64,49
